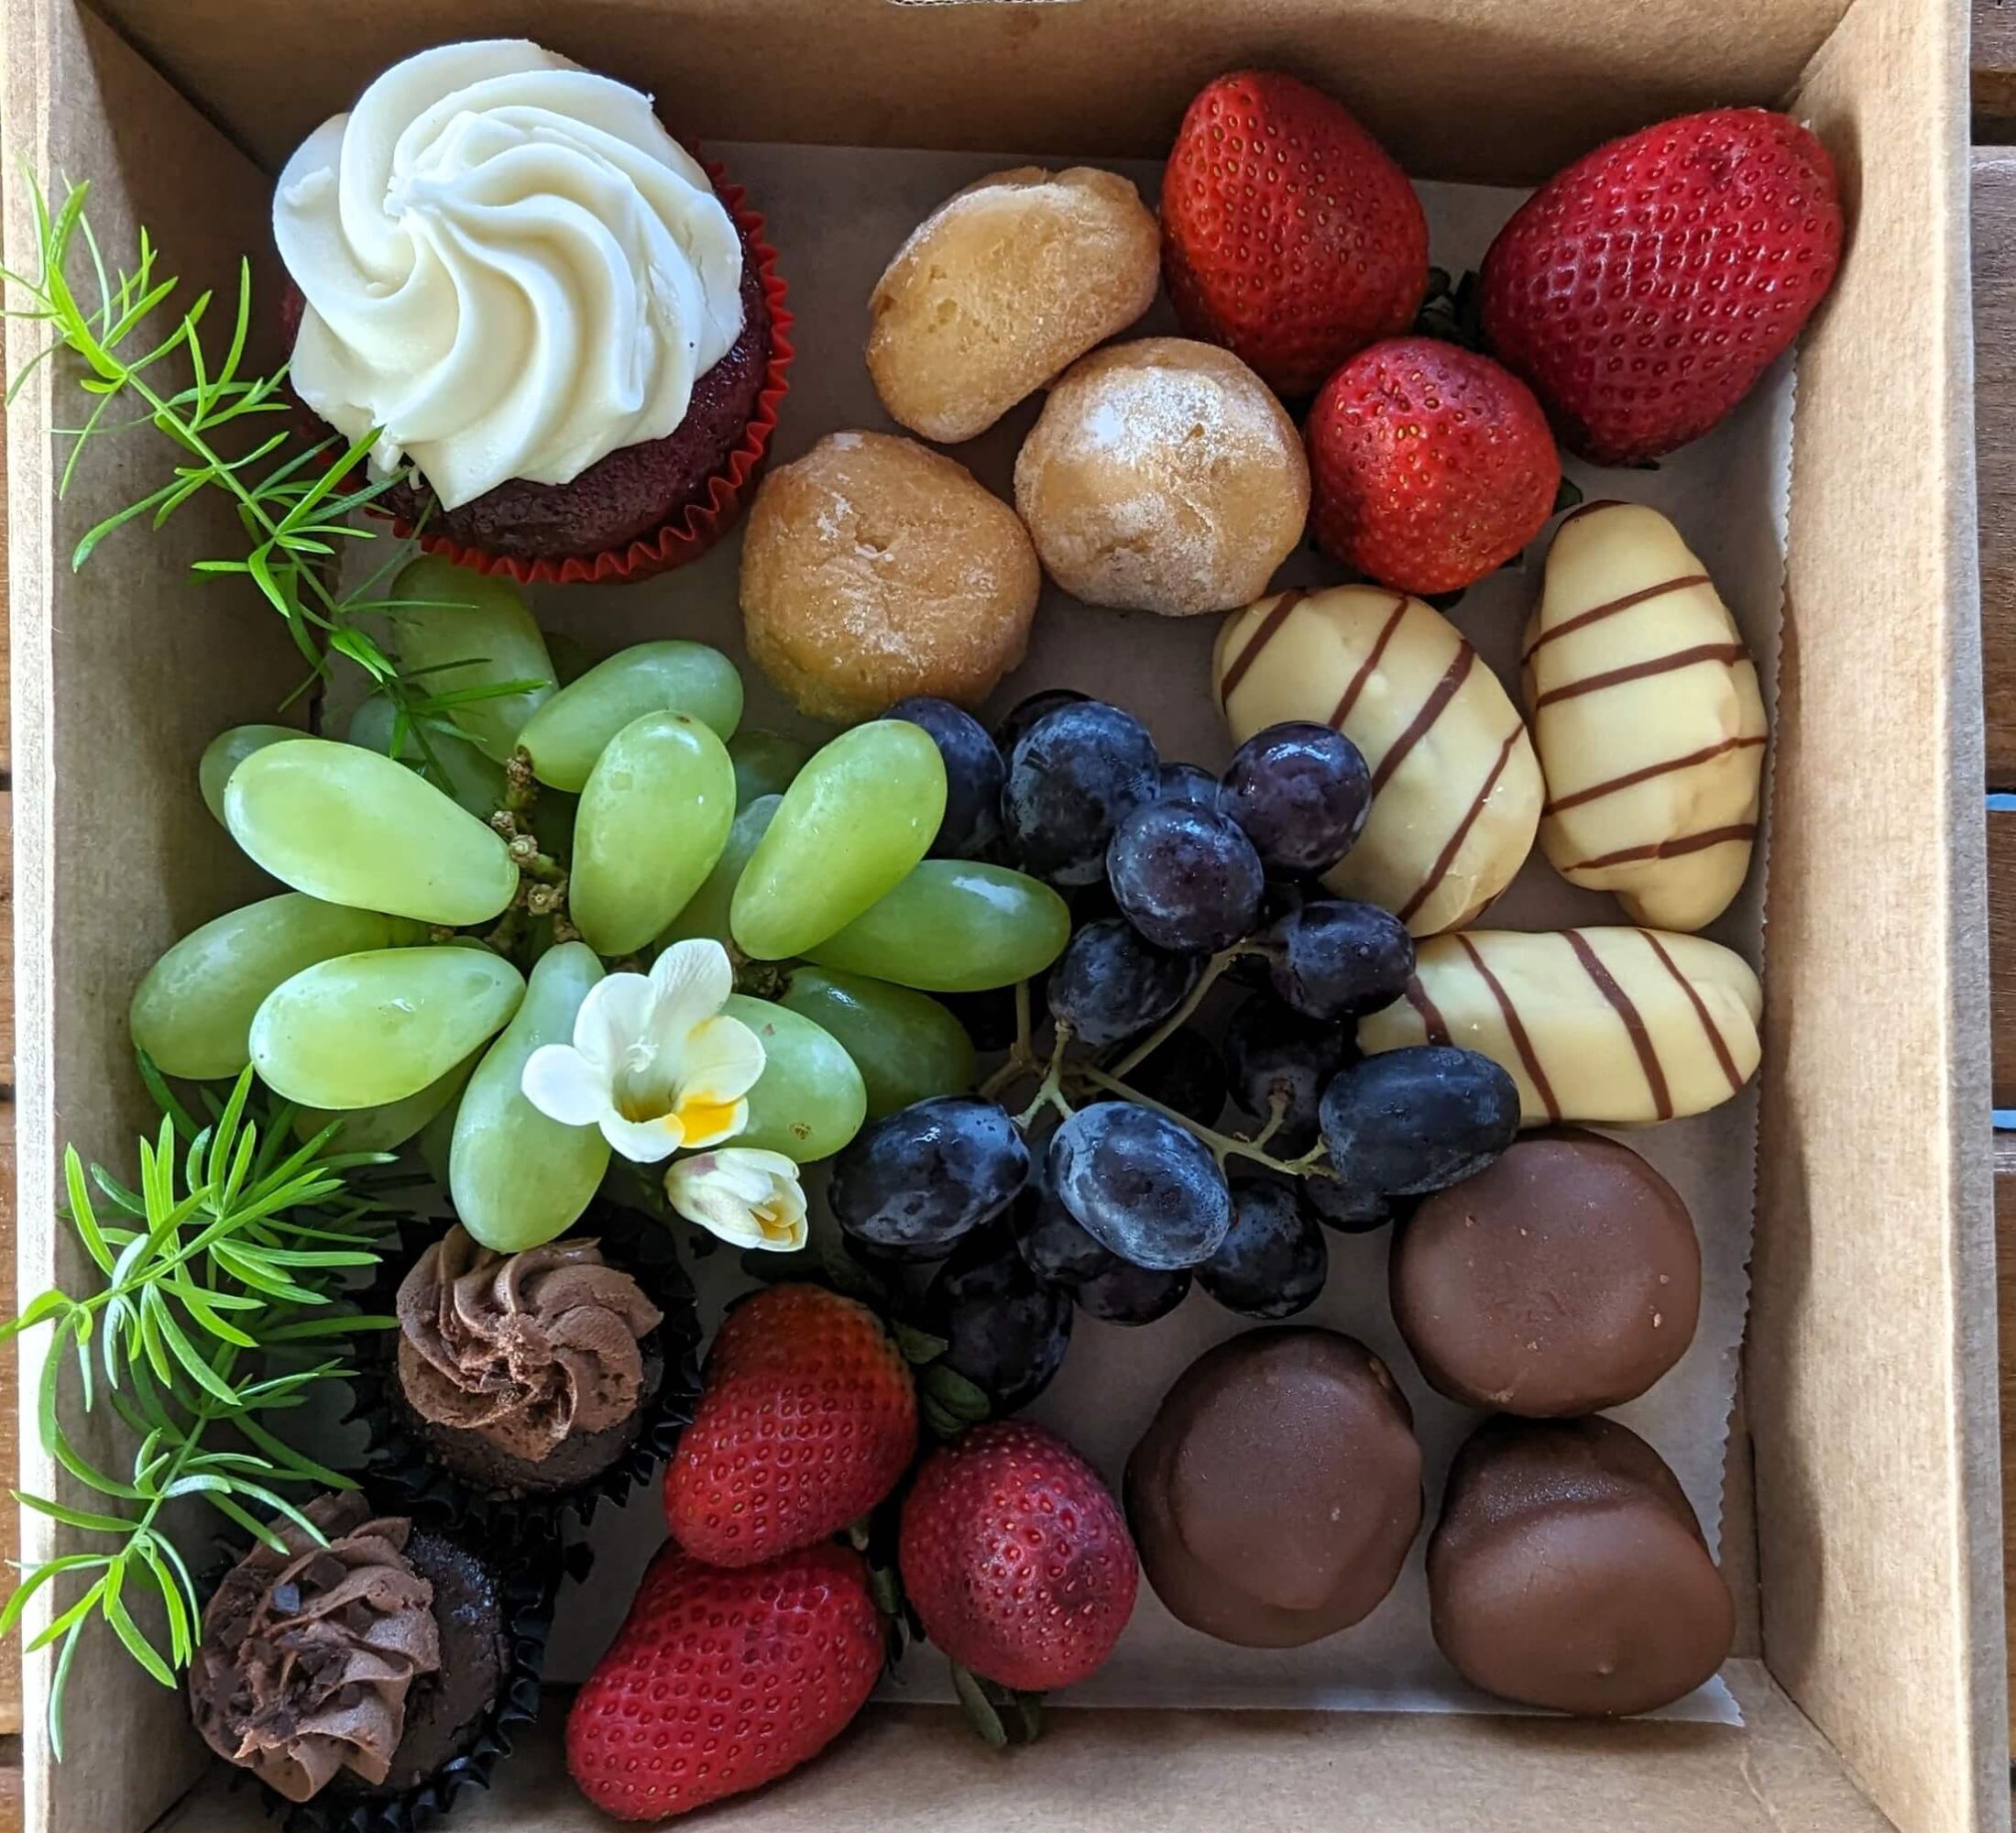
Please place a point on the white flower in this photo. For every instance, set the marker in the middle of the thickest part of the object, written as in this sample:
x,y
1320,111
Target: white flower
x,y
748,1198
655,1063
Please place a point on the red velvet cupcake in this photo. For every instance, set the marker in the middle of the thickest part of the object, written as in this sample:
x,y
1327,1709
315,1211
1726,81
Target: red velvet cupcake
x,y
540,299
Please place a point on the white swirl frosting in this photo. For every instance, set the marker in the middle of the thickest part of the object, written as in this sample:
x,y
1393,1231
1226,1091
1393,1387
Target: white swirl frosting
x,y
510,268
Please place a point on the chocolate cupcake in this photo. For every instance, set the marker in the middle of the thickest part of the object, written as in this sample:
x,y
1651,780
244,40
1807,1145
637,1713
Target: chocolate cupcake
x,y
558,1375
510,268
369,1681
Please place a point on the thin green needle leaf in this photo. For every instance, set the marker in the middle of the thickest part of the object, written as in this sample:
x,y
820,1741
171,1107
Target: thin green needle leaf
x,y
181,1643
302,1467
161,1094
88,546
138,1645
35,1579
71,1619
73,1518
155,1309
58,1682
89,1474
241,329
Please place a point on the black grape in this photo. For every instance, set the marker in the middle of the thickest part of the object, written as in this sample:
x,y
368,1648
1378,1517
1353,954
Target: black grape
x,y
973,774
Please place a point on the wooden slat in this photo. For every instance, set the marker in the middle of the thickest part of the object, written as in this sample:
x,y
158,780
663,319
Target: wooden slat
x,y
1995,433
2002,931
1994,58
2005,1259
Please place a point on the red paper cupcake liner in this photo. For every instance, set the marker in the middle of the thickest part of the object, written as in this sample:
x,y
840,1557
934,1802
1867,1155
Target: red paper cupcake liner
x,y
695,527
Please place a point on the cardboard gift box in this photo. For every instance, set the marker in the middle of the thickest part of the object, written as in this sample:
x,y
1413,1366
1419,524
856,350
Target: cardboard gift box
x,y
1862,1532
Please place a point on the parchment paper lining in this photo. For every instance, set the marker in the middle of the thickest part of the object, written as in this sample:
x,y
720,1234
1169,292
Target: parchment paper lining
x,y
836,215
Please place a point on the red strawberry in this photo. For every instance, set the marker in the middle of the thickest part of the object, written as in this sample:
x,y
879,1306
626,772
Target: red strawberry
x,y
1644,290
1288,235
1016,1558
808,1418
719,1682
1429,466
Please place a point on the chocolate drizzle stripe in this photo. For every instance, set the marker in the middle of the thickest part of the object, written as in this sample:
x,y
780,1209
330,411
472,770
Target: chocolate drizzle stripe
x,y
1700,1011
1634,1022
1439,697
1642,670
1357,687
1658,849
1610,608
1432,1023
1447,857
1529,1057
1270,627
1610,785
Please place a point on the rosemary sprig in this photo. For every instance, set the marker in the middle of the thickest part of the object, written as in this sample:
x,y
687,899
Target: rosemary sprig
x,y
219,1283
295,497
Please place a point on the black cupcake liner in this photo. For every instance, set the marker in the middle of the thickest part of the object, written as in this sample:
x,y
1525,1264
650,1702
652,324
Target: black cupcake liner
x,y
400,1463
529,1566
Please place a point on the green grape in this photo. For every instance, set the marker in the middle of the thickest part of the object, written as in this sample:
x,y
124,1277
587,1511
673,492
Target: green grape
x,y
955,927
858,816
369,1030
569,732
517,1177
193,1013
907,1046
476,782
472,632
765,763
653,820
706,910
571,657
227,751
385,1129
810,1100
351,826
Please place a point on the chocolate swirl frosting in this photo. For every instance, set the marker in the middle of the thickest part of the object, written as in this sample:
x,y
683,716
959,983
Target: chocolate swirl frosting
x,y
307,1656
524,1349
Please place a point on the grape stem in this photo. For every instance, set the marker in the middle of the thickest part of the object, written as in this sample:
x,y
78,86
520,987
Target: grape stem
x,y
1021,1053
1223,1145
1277,1108
520,786
1051,1092
1175,1021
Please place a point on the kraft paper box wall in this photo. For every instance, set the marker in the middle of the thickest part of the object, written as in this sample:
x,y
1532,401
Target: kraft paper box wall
x,y
1866,1554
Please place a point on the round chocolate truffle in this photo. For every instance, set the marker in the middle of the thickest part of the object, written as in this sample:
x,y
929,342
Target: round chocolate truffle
x,y
1277,1493
1563,1278
1567,1571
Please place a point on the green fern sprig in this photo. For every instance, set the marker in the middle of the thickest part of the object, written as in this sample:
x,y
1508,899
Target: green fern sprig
x,y
219,1282
295,497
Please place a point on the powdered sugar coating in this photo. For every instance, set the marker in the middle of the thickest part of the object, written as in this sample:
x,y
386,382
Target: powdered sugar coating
x,y
1162,476
1001,286
873,569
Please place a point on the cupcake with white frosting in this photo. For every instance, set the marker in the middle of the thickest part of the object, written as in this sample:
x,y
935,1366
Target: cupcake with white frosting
x,y
564,333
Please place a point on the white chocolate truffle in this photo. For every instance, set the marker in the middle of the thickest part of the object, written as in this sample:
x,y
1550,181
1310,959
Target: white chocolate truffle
x,y
1456,789
1646,717
1162,476
874,568
1617,1026
1001,286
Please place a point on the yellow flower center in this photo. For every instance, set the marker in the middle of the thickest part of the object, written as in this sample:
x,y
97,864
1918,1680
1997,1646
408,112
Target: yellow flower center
x,y
701,1117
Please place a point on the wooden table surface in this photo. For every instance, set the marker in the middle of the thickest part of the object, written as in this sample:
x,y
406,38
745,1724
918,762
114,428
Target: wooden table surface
x,y
1994,60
